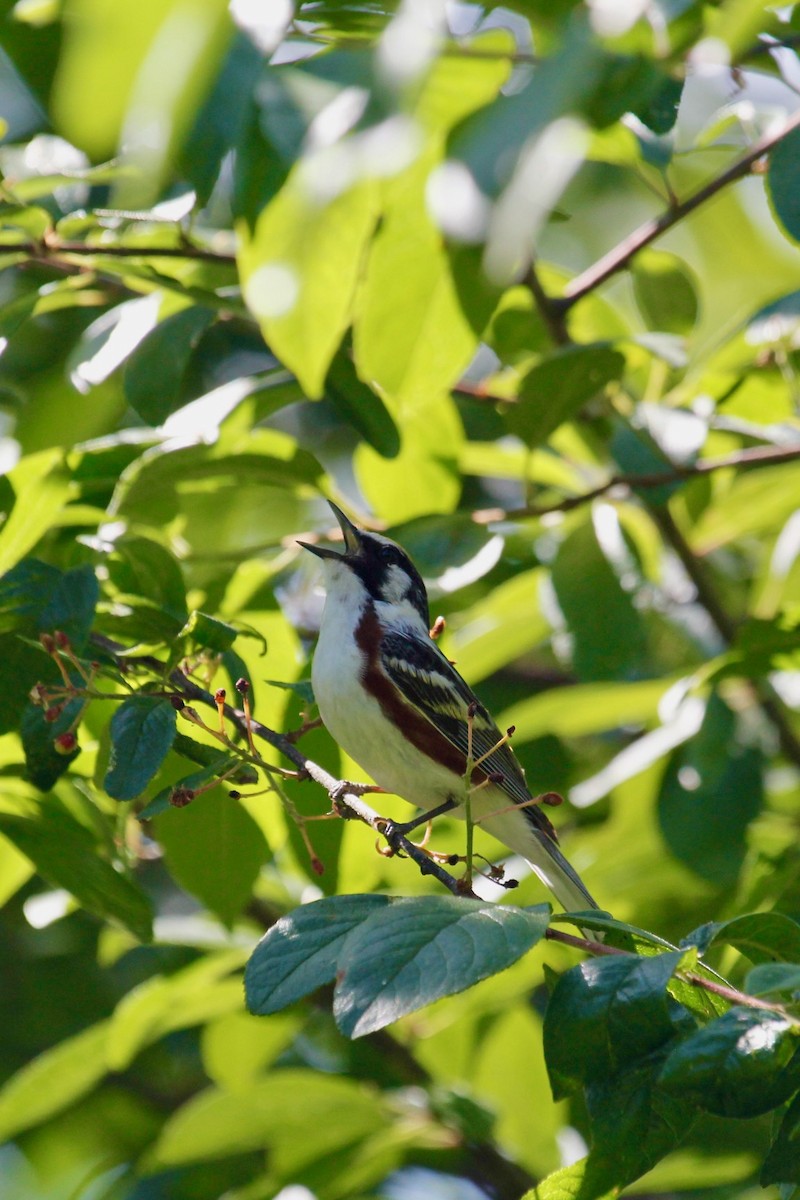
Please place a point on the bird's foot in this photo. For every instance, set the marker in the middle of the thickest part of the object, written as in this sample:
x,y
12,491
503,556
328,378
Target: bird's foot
x,y
347,787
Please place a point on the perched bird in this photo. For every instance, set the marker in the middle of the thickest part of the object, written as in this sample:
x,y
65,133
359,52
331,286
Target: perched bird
x,y
399,708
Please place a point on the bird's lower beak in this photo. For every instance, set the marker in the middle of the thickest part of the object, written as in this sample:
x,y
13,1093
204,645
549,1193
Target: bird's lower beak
x,y
352,539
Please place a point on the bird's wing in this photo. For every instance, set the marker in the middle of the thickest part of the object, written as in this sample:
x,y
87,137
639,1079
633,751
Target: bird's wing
x,y
430,683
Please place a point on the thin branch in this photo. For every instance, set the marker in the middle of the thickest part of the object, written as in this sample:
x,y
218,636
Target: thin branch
x,y
351,806
731,994
52,248
548,307
760,456
621,255
345,803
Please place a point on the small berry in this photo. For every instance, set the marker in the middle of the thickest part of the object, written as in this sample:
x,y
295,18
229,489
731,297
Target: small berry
x,y
219,696
242,686
53,713
234,795
48,642
177,702
65,743
552,799
61,640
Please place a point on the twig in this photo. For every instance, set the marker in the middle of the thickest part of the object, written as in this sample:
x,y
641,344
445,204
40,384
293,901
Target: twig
x,y
760,456
345,802
53,246
733,995
629,247
548,307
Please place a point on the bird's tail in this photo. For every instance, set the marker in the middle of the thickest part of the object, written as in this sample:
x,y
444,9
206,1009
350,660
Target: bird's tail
x,y
557,874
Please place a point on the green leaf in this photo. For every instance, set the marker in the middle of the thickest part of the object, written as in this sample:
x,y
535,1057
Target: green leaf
x,y
300,687
162,1004
215,850
142,567
635,1121
412,337
608,636
782,1164
579,1181
361,407
606,1013
711,791
279,1112
418,950
783,184
301,951
218,766
142,732
44,764
53,1080
585,708
744,1063
558,387
155,371
763,937
299,272
37,598
66,855
41,489
665,292
209,632
773,979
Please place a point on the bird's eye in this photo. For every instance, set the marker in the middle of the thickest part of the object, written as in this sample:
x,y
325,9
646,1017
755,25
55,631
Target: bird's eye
x,y
386,554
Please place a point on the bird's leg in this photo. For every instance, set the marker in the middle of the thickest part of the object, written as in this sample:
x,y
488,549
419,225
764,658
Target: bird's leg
x,y
468,768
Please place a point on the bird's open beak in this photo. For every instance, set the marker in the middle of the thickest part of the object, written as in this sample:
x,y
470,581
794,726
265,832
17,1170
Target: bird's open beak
x,y
352,538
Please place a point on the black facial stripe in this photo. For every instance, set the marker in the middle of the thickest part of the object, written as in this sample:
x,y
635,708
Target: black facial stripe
x,y
373,564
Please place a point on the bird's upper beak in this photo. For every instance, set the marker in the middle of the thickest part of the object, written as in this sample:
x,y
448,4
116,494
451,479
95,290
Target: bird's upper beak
x,y
352,538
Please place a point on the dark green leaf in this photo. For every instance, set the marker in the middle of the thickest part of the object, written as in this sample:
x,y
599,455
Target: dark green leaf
x,y
209,632
418,950
744,1063
142,732
155,371
301,952
607,631
142,567
783,184
161,801
763,937
773,979
44,764
782,1164
711,791
65,854
557,388
360,406
39,598
606,1013
665,292
634,1121
205,755
215,850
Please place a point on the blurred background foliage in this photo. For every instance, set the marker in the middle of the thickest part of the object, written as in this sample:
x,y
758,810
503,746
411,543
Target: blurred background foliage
x,y
256,253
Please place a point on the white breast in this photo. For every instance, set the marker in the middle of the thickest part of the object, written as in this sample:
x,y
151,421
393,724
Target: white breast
x,y
354,718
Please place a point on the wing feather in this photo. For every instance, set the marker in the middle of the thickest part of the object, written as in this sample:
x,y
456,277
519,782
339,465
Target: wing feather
x,y
431,684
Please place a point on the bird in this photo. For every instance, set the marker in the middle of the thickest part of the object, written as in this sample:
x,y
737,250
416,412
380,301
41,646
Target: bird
x,y
399,708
